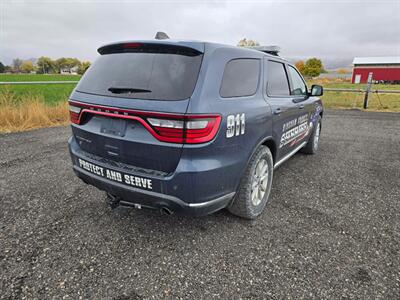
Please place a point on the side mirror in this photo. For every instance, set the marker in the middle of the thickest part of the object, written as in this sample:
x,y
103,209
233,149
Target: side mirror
x,y
317,90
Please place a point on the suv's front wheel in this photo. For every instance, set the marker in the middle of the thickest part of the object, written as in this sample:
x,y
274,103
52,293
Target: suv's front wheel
x,y
255,185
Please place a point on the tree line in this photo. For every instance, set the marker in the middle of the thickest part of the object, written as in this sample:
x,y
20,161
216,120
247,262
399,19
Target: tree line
x,y
46,65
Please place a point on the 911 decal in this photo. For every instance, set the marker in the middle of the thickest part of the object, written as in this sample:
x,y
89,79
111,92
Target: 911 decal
x,y
235,125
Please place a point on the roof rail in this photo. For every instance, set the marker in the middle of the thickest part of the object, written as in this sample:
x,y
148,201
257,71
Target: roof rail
x,y
273,50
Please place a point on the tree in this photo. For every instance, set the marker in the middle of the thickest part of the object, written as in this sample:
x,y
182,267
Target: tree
x,y
16,64
60,63
83,67
46,65
248,43
2,68
313,67
27,66
66,63
300,66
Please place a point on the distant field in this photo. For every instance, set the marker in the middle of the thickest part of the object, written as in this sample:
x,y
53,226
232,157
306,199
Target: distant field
x,y
50,94
38,77
346,100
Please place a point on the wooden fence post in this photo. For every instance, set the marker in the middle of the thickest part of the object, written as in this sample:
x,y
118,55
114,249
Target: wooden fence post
x,y
367,90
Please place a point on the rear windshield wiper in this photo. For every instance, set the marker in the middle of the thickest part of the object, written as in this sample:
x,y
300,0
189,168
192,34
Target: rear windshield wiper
x,y
126,90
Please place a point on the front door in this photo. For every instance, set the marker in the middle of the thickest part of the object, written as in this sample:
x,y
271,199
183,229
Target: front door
x,y
285,111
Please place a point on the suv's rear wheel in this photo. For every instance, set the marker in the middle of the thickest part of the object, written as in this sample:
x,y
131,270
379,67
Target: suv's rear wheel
x,y
255,185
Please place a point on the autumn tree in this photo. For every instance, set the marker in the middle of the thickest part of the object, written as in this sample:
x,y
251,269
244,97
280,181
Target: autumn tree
x,y
300,66
27,66
248,43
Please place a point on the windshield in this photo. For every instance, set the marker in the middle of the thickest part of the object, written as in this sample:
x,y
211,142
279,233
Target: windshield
x,y
153,76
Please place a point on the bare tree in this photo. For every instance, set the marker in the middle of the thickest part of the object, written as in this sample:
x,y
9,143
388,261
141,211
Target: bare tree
x,y
16,64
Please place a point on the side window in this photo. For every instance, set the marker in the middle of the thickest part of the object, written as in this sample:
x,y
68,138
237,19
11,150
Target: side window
x,y
240,78
277,84
298,86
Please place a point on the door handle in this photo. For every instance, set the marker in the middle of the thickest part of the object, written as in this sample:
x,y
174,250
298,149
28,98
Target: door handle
x,y
277,111
301,106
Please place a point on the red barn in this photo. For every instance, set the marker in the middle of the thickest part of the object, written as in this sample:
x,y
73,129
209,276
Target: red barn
x,y
383,69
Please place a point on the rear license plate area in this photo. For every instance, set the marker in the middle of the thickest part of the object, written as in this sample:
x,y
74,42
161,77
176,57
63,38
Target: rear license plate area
x,y
113,126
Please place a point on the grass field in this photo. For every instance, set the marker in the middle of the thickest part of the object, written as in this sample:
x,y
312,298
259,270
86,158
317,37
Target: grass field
x,y
50,94
348,100
24,107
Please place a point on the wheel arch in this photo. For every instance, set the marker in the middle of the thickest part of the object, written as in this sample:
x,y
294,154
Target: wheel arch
x,y
266,141
270,143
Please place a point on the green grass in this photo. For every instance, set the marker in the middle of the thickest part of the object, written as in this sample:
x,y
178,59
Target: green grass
x,y
38,77
49,93
346,100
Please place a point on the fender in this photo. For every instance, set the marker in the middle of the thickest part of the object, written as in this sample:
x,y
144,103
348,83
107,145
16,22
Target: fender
x,y
264,141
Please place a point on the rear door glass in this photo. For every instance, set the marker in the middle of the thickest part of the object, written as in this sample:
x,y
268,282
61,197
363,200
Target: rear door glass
x,y
240,78
155,76
277,84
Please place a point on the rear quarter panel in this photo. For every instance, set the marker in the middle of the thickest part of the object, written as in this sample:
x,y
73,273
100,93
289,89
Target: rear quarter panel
x,y
228,157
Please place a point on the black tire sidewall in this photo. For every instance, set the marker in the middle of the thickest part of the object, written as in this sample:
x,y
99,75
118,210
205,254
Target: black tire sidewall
x,y
242,205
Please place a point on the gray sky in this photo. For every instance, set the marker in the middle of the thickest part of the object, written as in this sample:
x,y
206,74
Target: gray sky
x,y
332,30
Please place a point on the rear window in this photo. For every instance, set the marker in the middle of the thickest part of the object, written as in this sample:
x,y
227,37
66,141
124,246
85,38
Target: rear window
x,y
240,78
153,76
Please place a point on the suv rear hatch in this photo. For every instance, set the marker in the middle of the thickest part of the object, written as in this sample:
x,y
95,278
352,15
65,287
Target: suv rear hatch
x,y
130,105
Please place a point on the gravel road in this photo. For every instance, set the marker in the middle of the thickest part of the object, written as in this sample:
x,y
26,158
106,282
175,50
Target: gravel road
x,y
330,230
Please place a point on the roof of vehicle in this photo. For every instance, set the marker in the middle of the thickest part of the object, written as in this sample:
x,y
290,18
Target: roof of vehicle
x,y
197,45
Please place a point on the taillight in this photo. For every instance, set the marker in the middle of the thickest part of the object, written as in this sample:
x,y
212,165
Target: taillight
x,y
74,112
201,129
171,128
191,129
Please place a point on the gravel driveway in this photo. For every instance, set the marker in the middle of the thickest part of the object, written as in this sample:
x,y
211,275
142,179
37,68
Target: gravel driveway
x,y
330,230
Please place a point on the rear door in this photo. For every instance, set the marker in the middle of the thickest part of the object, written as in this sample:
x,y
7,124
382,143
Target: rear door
x,y
284,111
130,90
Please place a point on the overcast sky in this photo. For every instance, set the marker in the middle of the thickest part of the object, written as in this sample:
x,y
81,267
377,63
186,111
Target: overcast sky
x,y
327,29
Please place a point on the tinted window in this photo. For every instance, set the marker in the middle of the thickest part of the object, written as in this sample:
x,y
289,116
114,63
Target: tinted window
x,y
278,84
240,78
298,86
160,76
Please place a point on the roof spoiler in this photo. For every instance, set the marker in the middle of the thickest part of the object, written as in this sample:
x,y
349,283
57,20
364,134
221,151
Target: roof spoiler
x,y
153,46
273,50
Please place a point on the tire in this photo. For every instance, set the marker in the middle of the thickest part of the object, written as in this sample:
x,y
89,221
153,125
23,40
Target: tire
x,y
249,203
313,142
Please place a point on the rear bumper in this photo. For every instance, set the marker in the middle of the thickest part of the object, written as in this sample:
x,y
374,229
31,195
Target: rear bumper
x,y
154,200
130,195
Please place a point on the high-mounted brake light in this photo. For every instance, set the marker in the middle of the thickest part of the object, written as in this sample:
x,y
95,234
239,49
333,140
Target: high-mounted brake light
x,y
171,128
131,45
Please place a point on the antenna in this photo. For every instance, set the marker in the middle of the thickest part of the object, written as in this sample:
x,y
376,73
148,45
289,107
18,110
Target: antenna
x,y
161,36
